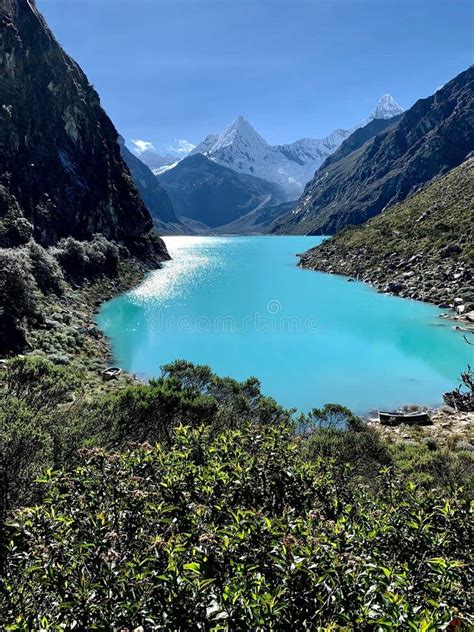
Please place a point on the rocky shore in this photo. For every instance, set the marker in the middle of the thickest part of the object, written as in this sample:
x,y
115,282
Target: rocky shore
x,y
68,334
420,249
445,283
450,428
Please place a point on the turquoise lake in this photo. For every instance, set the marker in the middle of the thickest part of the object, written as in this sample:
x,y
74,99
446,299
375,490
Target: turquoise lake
x,y
242,306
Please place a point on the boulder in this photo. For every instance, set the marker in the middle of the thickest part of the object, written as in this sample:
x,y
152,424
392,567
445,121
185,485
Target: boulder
x,y
394,287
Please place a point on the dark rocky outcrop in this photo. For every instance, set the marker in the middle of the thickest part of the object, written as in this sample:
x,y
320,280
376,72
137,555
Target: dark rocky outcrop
x,y
376,168
421,248
155,197
61,172
207,192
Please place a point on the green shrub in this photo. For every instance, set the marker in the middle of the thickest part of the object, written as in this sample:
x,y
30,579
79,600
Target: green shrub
x,y
237,531
441,468
184,394
87,259
46,271
18,299
334,432
33,428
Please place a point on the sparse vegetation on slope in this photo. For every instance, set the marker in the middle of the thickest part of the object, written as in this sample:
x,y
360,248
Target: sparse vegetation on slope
x,y
421,248
374,169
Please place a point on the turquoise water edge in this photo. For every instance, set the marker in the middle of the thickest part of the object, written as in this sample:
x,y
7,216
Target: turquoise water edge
x,y
242,306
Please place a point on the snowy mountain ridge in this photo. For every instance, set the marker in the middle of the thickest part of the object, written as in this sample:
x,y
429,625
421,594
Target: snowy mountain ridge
x,y
386,108
241,148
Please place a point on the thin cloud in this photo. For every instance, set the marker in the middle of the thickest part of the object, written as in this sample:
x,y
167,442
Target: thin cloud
x,y
181,146
141,146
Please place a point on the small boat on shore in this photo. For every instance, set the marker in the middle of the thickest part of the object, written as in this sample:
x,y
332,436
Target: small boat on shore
x,y
111,373
417,418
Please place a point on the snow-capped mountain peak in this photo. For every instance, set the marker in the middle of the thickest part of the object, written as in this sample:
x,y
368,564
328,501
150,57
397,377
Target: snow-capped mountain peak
x,y
240,134
206,145
241,148
387,107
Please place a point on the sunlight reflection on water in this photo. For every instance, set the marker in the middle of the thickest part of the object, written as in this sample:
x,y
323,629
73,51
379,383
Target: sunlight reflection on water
x,y
240,305
190,257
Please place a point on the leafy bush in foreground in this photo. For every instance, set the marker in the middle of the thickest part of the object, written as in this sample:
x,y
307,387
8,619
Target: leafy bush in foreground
x,y
34,432
46,414
236,531
231,521
184,394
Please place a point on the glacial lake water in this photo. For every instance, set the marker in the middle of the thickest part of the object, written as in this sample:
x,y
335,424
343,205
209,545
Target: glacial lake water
x,y
242,306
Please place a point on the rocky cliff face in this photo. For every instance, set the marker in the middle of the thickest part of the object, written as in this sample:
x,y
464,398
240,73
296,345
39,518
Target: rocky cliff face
x,y
60,165
366,175
421,248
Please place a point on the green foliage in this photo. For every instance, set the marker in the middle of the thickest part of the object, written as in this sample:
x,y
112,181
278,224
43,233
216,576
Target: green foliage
x,y
18,298
43,400
434,467
231,521
87,259
363,449
46,271
235,531
330,417
184,394
34,432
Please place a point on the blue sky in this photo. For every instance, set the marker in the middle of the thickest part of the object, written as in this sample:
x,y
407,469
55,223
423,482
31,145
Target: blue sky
x,y
170,69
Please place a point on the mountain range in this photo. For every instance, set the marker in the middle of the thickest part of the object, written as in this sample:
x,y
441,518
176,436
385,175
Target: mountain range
x,y
205,191
241,148
385,161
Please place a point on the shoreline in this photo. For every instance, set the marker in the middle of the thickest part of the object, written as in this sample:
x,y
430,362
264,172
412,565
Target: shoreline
x,y
73,317
387,287
447,428
446,425
69,334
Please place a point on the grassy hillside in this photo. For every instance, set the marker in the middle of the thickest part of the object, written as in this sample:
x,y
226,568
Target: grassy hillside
x,y
422,248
